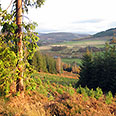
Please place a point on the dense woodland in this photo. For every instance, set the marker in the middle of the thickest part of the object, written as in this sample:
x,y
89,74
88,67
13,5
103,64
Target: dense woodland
x,y
99,70
36,84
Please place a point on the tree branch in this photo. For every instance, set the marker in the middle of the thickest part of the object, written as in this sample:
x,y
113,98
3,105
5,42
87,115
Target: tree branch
x,y
6,8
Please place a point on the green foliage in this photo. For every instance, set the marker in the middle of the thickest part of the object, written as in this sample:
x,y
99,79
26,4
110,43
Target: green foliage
x,y
83,91
86,69
50,79
9,30
44,63
50,98
98,93
38,62
32,85
95,94
59,90
71,60
51,64
9,56
71,91
41,89
99,70
32,3
109,98
90,92
8,71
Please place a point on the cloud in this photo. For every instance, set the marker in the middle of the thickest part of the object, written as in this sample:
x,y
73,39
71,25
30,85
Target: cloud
x,y
44,30
89,21
85,16
112,24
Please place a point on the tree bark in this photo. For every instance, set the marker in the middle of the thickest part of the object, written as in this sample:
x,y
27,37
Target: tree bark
x,y
20,85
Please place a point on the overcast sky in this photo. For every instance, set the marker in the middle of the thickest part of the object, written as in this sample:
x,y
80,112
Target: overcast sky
x,y
80,16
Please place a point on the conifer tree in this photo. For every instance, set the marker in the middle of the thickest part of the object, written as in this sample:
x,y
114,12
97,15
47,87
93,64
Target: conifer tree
x,y
39,62
86,69
99,70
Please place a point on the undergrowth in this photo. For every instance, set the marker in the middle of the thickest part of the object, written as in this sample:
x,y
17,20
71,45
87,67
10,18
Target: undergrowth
x,y
59,100
50,87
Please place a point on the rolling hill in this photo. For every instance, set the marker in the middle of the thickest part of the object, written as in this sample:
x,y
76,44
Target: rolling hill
x,y
51,38
108,32
106,35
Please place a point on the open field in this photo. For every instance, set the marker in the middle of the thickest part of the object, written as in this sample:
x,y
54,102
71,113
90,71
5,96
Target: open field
x,y
70,44
71,60
71,53
83,43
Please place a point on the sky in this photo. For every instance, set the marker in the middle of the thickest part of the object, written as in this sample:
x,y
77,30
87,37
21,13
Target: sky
x,y
77,16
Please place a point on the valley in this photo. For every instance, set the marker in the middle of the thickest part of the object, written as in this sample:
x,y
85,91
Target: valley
x,y
73,50
58,66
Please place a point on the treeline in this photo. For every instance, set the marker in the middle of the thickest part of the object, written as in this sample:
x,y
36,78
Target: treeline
x,y
99,70
74,68
45,63
58,48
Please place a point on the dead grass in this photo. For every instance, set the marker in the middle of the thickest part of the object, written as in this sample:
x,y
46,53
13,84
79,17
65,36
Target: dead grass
x,y
36,104
17,106
65,104
64,74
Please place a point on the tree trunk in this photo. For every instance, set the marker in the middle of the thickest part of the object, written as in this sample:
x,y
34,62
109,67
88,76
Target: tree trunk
x,y
58,65
20,86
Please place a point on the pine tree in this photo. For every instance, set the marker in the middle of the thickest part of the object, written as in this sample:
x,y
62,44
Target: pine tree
x,y
86,70
99,70
37,61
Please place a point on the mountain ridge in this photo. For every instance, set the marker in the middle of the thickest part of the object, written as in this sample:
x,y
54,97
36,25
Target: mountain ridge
x,y
108,32
55,37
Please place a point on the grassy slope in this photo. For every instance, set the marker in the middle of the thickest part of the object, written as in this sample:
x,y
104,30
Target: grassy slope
x,y
52,98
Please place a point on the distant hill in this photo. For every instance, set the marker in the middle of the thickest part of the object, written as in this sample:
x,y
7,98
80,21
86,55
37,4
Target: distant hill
x,y
108,32
106,35
50,38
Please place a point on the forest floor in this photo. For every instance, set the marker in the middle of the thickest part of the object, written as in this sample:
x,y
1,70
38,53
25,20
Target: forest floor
x,y
56,99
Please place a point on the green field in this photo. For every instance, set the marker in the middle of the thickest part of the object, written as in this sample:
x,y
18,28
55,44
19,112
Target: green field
x,y
71,60
72,54
83,43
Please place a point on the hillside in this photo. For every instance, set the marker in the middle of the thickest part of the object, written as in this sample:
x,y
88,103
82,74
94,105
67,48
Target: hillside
x,y
50,38
108,32
103,35
55,98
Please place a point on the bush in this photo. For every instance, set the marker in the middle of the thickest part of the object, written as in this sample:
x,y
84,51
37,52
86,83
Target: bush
x,y
59,90
98,93
71,91
90,92
109,98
